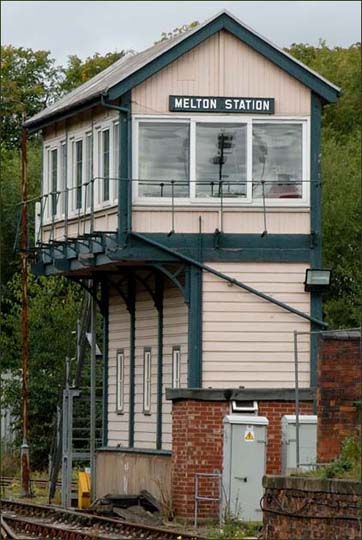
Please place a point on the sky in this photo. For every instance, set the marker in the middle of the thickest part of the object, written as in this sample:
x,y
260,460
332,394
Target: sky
x,y
86,27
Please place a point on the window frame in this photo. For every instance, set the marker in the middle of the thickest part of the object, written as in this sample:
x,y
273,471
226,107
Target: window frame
x,y
120,362
99,129
147,383
248,201
176,382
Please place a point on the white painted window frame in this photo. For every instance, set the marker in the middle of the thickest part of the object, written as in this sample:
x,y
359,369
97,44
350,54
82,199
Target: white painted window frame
x,y
73,136
120,381
98,166
147,380
54,144
249,120
176,367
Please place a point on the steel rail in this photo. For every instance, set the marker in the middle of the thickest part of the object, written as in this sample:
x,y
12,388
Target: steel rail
x,y
48,515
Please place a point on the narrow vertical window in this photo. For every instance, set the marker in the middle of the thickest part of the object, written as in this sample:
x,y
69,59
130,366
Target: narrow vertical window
x,y
88,192
176,367
116,151
120,381
105,162
63,177
54,180
147,381
78,173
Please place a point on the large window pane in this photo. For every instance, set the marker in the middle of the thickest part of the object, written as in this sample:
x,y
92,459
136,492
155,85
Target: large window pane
x,y
277,161
164,159
221,160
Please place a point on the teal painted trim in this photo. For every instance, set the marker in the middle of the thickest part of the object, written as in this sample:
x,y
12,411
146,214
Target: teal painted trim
x,y
194,371
224,22
124,188
316,308
201,266
132,357
105,314
229,248
159,286
125,450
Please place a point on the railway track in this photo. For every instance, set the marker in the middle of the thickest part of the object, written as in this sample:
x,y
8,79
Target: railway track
x,y
27,520
40,482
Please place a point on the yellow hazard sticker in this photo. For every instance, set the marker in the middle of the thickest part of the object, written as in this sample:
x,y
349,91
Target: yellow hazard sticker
x,y
249,434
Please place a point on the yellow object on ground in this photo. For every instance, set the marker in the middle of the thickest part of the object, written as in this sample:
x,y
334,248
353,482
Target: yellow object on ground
x,y
84,488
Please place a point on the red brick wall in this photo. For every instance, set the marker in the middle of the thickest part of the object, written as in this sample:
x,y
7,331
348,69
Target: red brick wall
x,y
339,385
274,410
197,447
311,508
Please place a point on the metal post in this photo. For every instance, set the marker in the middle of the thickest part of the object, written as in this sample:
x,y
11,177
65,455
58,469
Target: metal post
x,y
296,398
93,392
24,450
65,438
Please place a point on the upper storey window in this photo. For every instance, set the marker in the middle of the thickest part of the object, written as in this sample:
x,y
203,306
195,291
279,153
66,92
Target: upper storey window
x,y
221,160
239,161
164,159
277,161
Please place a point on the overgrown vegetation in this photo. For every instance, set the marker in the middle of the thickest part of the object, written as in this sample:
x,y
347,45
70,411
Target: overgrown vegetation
x,y
30,80
346,466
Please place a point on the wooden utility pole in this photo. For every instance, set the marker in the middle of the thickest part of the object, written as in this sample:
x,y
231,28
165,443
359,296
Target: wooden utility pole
x,y
24,452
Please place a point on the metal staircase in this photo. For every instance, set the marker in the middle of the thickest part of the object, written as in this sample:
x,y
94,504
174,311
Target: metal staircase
x,y
71,440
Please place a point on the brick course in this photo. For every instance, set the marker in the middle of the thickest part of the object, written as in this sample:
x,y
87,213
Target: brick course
x,y
197,447
339,386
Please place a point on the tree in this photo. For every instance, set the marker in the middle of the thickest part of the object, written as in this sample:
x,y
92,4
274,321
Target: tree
x,y
53,311
342,66
79,71
29,82
341,177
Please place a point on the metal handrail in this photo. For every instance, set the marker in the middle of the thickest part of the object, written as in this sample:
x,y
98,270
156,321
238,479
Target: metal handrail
x,y
78,203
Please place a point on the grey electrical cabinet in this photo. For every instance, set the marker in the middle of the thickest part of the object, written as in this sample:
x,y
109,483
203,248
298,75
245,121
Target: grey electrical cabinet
x,y
307,442
244,465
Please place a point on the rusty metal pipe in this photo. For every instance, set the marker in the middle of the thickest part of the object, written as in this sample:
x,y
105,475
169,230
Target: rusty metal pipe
x,y
24,451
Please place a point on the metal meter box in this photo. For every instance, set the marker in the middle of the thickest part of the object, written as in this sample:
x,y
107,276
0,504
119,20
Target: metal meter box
x,y
244,465
307,442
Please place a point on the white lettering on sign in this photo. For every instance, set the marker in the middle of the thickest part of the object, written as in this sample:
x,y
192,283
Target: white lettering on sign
x,y
221,104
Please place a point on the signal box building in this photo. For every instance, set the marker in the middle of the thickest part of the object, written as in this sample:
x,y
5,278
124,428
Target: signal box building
x,y
185,182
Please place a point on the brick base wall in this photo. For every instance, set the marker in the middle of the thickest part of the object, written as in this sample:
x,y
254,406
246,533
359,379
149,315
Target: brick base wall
x,y
197,447
339,387
311,508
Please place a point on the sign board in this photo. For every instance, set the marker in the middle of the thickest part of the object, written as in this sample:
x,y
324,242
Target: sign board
x,y
246,105
249,435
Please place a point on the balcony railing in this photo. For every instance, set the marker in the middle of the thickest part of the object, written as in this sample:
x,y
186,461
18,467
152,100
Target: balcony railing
x,y
79,205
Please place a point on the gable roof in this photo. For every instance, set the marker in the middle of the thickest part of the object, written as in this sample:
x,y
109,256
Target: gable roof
x,y
133,69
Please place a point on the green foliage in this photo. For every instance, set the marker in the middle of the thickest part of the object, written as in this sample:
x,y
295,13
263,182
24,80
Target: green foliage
x,y
53,311
348,465
29,82
79,71
341,176
341,66
177,31
236,529
10,197
342,219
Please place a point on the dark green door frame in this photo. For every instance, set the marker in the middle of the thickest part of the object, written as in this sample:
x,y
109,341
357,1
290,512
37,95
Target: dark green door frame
x,y
194,368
